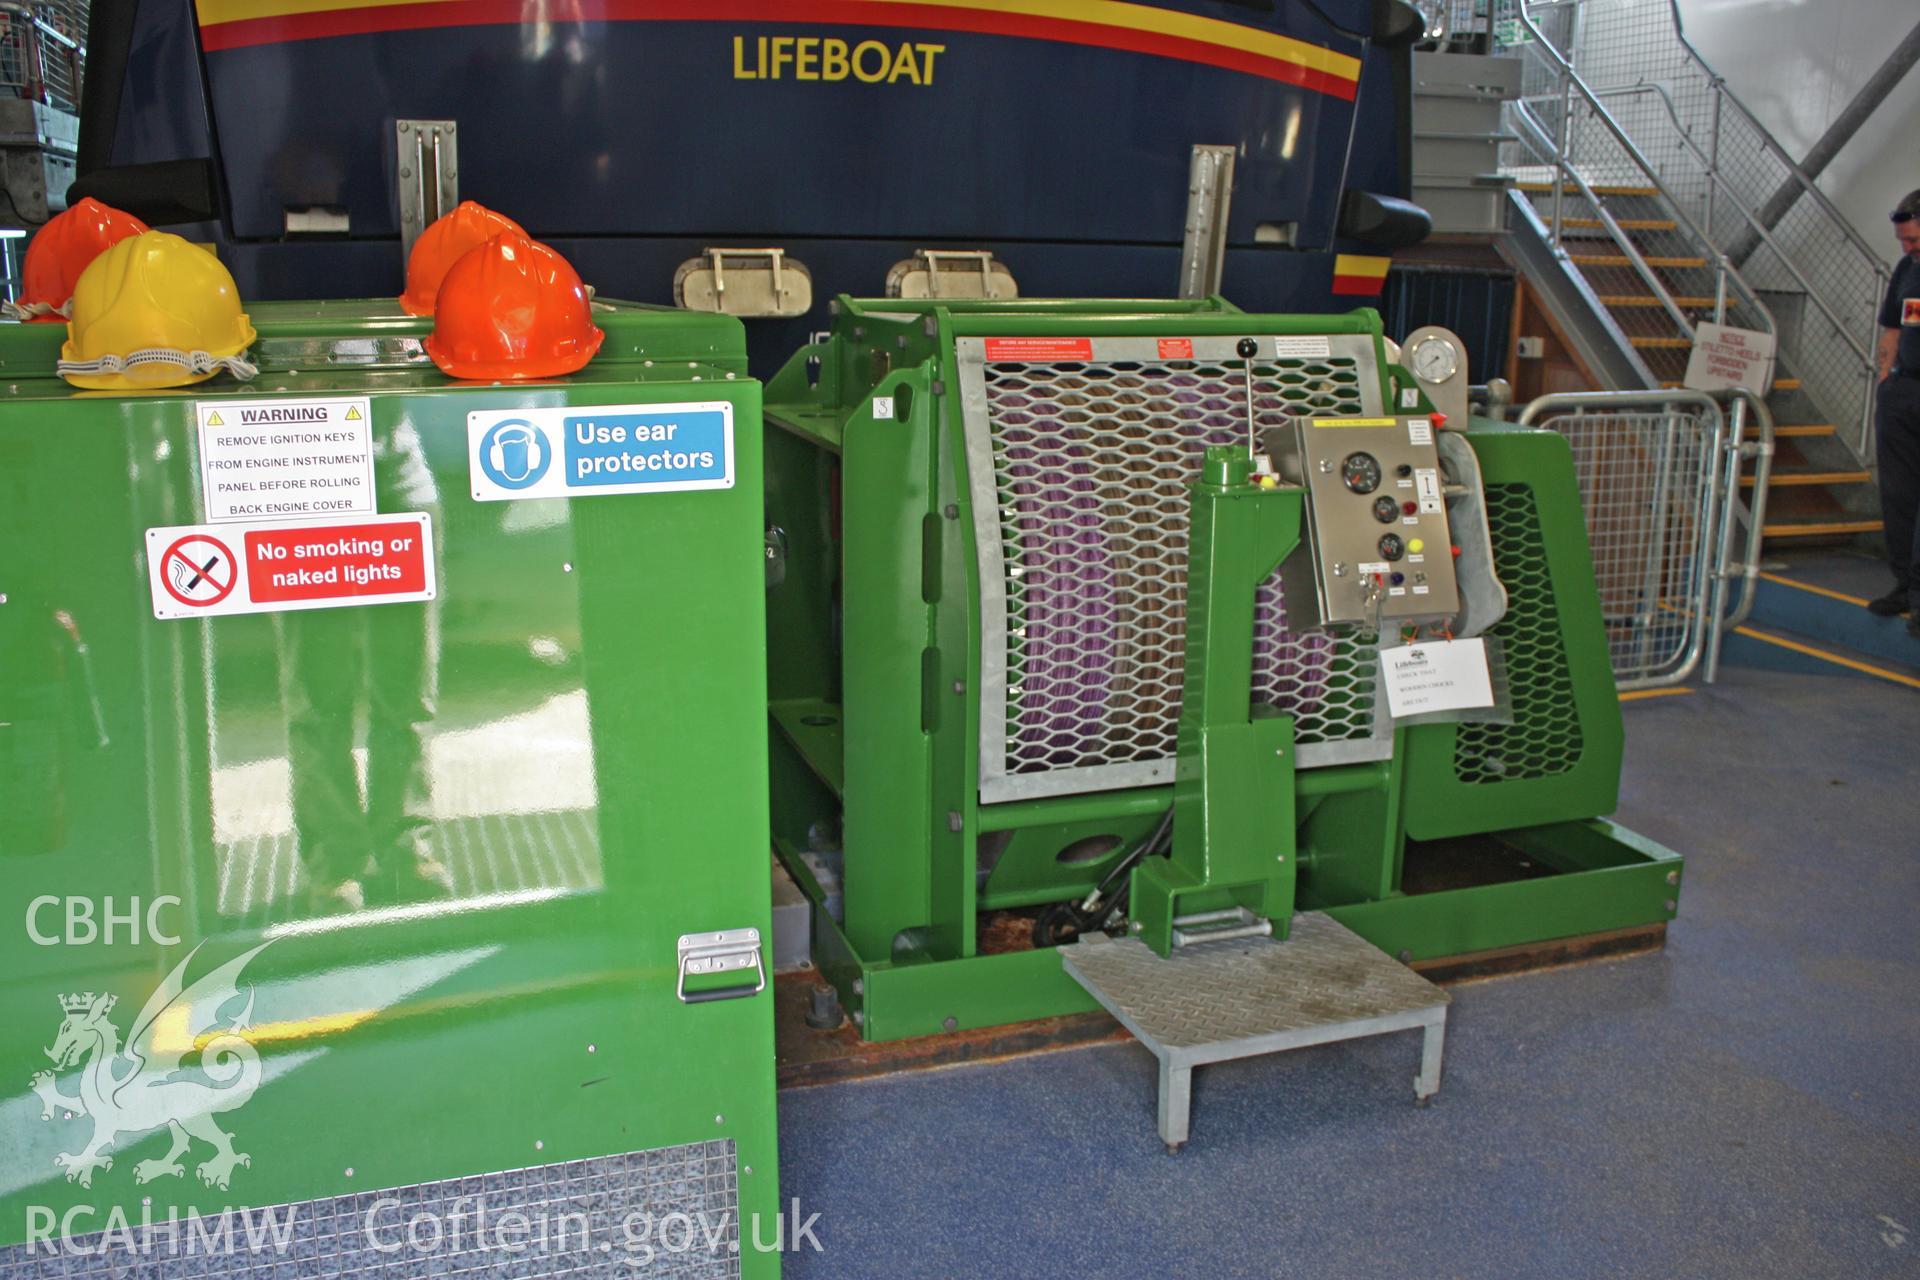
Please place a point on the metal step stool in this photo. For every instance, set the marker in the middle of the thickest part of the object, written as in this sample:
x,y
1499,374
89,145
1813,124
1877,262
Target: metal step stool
x,y
1214,1001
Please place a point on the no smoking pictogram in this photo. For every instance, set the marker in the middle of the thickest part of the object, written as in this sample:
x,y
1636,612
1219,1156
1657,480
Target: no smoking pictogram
x,y
198,570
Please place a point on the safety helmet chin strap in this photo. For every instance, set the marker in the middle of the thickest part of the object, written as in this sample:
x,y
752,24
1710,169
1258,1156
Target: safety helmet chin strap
x,y
28,310
191,361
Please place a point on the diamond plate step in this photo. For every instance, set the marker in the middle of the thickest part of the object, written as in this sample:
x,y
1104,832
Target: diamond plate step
x,y
1216,1001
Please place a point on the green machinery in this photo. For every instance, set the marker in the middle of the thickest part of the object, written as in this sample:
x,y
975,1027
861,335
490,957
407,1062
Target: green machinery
x,y
1006,675
557,1059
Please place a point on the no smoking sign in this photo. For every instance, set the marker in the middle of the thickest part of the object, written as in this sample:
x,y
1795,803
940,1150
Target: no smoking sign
x,y
199,571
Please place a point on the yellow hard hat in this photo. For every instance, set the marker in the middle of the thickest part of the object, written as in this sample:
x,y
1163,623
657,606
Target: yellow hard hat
x,y
154,311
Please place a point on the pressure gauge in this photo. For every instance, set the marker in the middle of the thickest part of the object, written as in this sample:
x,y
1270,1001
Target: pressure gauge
x,y
1361,471
1435,359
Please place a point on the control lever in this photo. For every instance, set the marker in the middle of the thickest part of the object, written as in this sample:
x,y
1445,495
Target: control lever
x,y
1247,350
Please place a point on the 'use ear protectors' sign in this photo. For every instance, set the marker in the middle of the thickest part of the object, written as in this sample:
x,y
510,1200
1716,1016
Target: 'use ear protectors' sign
x,y
594,449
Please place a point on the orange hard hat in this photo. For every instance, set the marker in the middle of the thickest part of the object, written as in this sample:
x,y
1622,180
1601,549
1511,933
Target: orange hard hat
x,y
451,237
512,309
61,250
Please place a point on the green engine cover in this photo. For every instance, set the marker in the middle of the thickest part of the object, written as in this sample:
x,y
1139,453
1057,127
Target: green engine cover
x,y
542,779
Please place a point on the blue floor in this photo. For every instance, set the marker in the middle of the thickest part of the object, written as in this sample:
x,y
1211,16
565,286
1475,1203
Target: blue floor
x,y
1744,1104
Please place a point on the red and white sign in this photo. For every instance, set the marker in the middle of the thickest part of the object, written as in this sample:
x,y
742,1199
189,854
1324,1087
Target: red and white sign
x,y
1176,348
203,571
1039,348
1724,356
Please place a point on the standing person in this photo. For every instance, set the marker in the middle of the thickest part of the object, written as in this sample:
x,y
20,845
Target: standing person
x,y
1898,420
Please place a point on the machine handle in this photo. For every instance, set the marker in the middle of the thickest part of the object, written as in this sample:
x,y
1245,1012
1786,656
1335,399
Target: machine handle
x,y
720,952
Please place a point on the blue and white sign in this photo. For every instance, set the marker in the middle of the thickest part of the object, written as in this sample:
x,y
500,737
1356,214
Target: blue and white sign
x,y
586,450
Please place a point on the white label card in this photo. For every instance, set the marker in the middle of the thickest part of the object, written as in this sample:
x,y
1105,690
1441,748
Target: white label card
x,y
883,408
1419,430
1442,675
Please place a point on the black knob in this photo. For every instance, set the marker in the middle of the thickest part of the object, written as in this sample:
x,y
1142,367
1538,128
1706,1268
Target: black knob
x,y
1404,470
1248,348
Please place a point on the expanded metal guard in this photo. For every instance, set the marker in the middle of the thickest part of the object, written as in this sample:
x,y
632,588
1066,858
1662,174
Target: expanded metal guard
x,y
1079,473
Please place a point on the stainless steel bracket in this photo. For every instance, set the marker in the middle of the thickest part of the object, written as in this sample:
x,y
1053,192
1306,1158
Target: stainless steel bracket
x,y
428,172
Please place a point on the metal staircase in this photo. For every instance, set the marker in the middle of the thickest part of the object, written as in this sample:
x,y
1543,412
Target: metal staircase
x,y
1645,177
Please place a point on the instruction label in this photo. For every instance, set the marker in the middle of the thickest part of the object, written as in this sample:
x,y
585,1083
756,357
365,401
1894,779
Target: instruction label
x,y
602,449
286,459
202,571
1039,348
1445,675
1296,348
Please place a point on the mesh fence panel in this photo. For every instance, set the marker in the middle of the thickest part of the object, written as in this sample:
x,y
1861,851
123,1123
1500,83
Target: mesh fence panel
x,y
1091,463
42,52
1646,489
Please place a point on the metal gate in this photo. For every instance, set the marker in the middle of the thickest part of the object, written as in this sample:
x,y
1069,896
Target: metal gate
x,y
1659,475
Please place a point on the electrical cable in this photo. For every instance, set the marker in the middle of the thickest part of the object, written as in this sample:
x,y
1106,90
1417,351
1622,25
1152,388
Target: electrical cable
x,y
1065,921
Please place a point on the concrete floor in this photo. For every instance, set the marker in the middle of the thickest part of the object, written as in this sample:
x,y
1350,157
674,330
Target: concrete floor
x,y
1744,1104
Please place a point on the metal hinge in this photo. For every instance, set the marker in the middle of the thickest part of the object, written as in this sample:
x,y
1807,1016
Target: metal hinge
x,y
724,951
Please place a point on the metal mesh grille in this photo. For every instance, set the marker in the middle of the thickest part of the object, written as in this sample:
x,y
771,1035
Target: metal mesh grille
x,y
1091,463
589,1209
1544,738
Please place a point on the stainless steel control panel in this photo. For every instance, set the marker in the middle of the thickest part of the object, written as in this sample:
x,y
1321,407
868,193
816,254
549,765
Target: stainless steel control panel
x,y
1378,549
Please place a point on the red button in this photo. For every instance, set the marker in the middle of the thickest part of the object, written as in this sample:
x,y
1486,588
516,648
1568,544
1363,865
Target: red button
x,y
1439,420
1409,507
1456,553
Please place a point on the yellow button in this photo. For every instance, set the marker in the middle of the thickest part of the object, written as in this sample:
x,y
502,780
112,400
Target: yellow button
x,y
1417,545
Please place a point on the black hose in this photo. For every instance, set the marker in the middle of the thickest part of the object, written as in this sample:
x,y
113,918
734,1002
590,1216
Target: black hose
x,y
1065,921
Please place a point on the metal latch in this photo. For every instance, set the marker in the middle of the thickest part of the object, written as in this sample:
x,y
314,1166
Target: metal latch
x,y
724,951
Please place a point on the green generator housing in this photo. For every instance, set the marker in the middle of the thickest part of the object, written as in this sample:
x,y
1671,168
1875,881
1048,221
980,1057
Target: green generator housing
x,y
556,1067
978,702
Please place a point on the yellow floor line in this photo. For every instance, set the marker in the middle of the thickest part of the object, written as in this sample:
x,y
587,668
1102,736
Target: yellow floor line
x,y
1819,591
1834,658
1635,695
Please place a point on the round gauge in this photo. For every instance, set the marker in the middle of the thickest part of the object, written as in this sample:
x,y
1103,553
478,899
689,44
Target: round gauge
x,y
1361,471
1391,547
1385,509
1435,360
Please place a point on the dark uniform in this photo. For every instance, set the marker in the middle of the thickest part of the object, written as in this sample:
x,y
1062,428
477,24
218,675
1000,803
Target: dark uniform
x,y
1899,429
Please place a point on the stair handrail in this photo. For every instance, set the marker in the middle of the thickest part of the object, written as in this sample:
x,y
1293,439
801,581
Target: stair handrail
x,y
1753,220
1718,83
1542,145
1571,79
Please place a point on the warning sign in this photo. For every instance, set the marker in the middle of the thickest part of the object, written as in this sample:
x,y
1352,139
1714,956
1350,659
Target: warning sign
x,y
286,459
205,571
1039,348
1724,356
600,449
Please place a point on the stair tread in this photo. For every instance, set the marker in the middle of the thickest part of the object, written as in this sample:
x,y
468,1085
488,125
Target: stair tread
x,y
1648,300
1819,528
1621,260
1625,224
1787,430
1790,477
1599,189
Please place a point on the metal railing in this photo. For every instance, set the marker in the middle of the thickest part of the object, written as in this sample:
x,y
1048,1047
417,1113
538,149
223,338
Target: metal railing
x,y
43,51
1583,151
1719,173
1659,478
